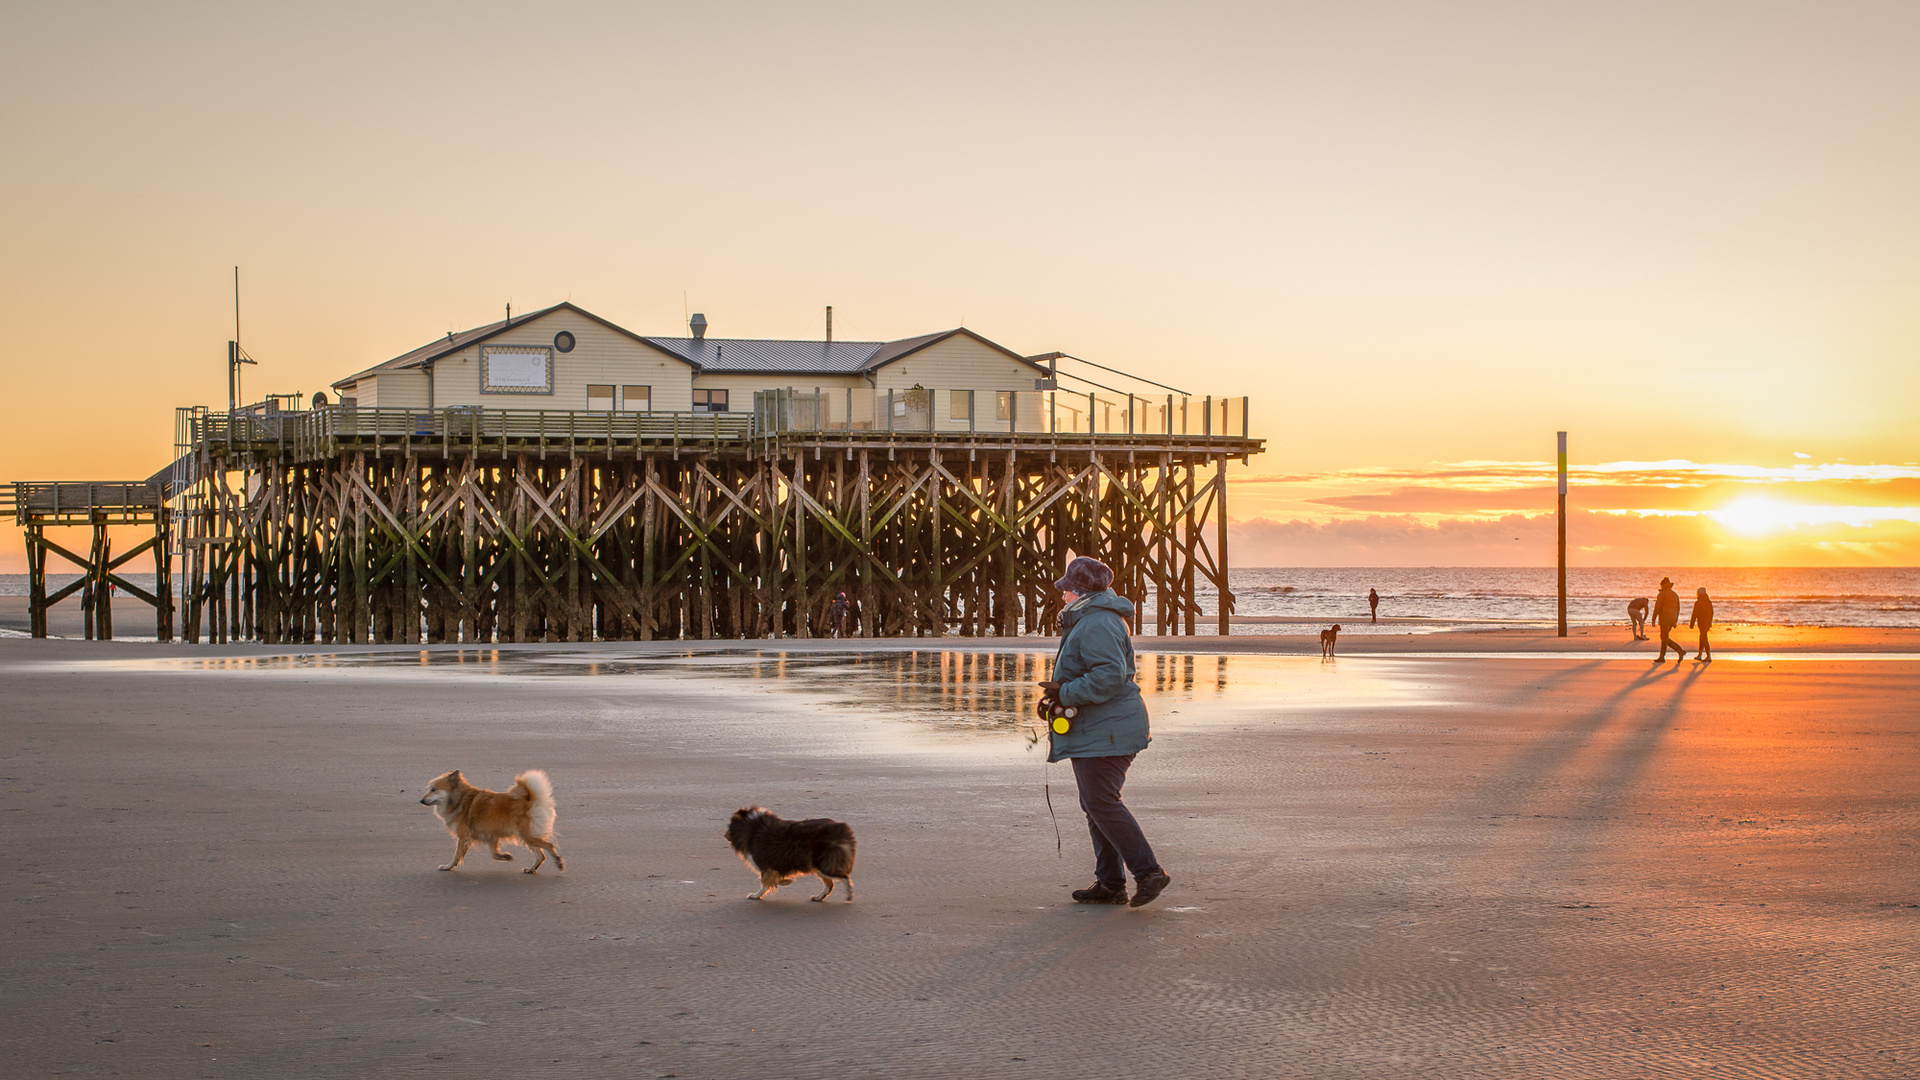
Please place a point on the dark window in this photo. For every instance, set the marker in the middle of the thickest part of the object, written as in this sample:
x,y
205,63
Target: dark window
x,y
563,341
709,401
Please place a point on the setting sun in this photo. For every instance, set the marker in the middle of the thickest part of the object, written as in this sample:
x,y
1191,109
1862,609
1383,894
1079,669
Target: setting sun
x,y
1758,514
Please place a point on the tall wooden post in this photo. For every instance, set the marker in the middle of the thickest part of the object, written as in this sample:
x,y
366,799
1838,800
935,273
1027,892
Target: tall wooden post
x,y
163,572
802,626
1563,534
1226,592
36,582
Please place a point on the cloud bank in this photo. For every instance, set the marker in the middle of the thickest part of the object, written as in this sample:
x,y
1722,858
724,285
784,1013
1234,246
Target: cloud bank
x,y
1625,513
1593,539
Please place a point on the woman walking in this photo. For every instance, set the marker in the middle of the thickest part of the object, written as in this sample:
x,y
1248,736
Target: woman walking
x,y
1703,615
1093,673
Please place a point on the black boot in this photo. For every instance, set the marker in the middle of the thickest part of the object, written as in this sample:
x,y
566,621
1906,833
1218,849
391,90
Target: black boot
x,y
1149,886
1101,894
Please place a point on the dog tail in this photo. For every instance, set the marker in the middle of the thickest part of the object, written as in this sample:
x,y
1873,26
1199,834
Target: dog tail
x,y
541,792
837,860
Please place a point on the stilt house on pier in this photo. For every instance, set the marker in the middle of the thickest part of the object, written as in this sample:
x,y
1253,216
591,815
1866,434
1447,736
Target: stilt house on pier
x,y
554,476
567,358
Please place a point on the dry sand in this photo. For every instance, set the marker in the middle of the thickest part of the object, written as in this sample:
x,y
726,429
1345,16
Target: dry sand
x,y
1491,859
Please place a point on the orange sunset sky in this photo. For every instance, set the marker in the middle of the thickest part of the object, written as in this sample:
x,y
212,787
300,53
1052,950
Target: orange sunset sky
x,y
1421,237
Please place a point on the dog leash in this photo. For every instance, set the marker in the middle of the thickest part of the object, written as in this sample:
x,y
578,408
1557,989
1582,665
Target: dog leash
x,y
1046,785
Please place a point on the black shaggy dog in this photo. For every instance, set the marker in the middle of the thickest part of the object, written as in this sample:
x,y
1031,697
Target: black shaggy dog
x,y
780,850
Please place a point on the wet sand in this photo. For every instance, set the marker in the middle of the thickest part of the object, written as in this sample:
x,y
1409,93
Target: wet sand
x,y
1475,861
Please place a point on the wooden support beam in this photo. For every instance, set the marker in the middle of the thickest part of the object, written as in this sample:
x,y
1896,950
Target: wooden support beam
x,y
474,536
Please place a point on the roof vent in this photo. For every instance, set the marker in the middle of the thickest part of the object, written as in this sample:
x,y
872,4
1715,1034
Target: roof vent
x,y
699,325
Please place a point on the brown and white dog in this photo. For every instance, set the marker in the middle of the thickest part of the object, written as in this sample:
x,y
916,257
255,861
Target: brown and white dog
x,y
780,850
522,813
1327,639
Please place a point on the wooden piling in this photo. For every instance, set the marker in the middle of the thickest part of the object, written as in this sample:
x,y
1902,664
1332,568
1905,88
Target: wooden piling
x,y
543,527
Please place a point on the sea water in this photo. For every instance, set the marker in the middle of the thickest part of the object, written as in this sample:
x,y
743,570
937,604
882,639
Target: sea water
x,y
1788,596
1514,596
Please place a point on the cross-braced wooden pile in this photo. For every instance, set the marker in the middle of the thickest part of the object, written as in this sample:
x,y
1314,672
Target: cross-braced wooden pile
x,y
475,540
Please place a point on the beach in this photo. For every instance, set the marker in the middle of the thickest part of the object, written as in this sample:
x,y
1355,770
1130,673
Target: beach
x,y
1498,853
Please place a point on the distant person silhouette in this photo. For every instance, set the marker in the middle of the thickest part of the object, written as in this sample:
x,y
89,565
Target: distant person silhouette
x,y
1637,617
1666,615
1703,616
837,615
1373,604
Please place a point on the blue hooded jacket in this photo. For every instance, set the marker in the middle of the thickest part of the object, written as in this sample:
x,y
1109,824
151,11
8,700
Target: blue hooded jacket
x,y
1095,671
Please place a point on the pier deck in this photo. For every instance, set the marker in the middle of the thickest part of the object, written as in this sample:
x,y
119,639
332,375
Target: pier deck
x,y
40,505
342,524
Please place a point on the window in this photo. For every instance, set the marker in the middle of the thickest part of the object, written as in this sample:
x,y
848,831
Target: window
x,y
709,401
636,398
516,369
959,405
1003,405
599,398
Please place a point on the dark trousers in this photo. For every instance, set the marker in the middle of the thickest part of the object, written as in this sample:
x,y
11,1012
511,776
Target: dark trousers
x,y
1117,839
1667,642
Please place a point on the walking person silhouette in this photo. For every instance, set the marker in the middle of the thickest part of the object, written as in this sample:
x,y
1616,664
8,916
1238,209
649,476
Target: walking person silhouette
x,y
1373,603
1703,615
1666,615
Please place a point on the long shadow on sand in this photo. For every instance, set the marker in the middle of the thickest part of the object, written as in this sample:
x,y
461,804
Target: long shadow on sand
x,y
1533,770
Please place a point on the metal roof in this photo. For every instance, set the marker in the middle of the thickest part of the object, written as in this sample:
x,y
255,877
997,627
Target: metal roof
x,y
763,357
772,356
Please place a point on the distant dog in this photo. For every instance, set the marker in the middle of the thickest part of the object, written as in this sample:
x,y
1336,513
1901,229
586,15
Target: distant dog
x,y
780,850
1327,638
523,813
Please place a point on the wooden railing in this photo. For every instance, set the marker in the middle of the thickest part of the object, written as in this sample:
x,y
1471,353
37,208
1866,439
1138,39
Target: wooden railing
x,y
1011,412
115,499
325,430
322,432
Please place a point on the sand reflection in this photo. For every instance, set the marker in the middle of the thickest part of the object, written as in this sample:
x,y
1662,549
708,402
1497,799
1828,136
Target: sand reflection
x,y
988,691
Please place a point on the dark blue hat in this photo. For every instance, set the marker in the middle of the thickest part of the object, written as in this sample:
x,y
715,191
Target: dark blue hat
x,y
1084,576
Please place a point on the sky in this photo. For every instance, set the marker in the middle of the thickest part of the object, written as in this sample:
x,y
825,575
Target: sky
x,y
1422,238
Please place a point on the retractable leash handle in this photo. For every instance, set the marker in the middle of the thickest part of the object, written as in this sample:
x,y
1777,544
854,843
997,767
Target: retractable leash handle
x,y
1057,717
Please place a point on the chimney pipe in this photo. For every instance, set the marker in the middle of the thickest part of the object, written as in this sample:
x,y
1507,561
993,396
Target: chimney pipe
x,y
509,313
829,324
699,325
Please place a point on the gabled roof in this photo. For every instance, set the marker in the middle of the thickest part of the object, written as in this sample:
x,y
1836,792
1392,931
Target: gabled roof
x,y
756,356
897,350
453,343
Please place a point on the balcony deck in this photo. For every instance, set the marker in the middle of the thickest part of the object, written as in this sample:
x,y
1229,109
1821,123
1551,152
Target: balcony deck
x,y
327,432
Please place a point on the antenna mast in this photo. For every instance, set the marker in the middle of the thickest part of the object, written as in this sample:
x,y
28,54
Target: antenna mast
x,y
233,350
235,355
